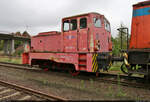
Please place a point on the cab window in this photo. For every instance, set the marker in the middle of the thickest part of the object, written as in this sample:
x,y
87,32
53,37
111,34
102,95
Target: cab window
x,y
73,24
66,25
107,26
97,22
83,23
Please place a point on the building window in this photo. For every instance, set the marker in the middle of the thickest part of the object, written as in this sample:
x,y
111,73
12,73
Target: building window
x,y
73,24
66,25
83,23
97,22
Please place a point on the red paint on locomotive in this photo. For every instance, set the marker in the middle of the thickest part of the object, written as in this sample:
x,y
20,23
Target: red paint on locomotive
x,y
83,38
46,41
138,54
140,26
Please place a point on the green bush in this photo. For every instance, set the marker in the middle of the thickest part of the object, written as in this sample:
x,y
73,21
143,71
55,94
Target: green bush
x,y
18,52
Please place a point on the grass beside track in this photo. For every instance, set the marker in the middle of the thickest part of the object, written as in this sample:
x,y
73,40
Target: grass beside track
x,y
10,59
116,66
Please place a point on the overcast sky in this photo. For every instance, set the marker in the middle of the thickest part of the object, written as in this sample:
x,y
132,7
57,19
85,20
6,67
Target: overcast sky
x,y
45,15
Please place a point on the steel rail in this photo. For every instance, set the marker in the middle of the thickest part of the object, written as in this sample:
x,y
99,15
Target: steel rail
x,y
32,91
126,83
18,66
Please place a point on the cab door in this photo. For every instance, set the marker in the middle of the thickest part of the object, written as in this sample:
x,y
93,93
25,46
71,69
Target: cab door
x,y
70,35
99,33
83,34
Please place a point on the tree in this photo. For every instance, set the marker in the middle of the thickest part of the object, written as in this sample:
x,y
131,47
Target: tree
x,y
117,41
26,34
18,34
1,44
116,46
17,42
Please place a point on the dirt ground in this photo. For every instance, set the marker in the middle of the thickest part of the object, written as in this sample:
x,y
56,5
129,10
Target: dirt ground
x,y
73,88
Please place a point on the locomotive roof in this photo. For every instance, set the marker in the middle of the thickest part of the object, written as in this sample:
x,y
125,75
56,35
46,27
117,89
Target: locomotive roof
x,y
85,15
47,33
82,15
144,3
50,32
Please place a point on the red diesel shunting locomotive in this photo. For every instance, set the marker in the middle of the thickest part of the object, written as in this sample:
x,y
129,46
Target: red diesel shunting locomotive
x,y
84,44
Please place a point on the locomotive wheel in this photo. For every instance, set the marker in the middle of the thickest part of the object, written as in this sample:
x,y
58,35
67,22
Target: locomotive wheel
x,y
147,78
46,69
97,74
74,72
125,70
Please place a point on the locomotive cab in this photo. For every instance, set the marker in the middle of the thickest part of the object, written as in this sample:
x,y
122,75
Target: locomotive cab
x,y
86,33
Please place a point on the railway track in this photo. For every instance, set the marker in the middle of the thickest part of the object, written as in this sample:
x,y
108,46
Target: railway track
x,y
136,82
123,80
11,91
18,66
